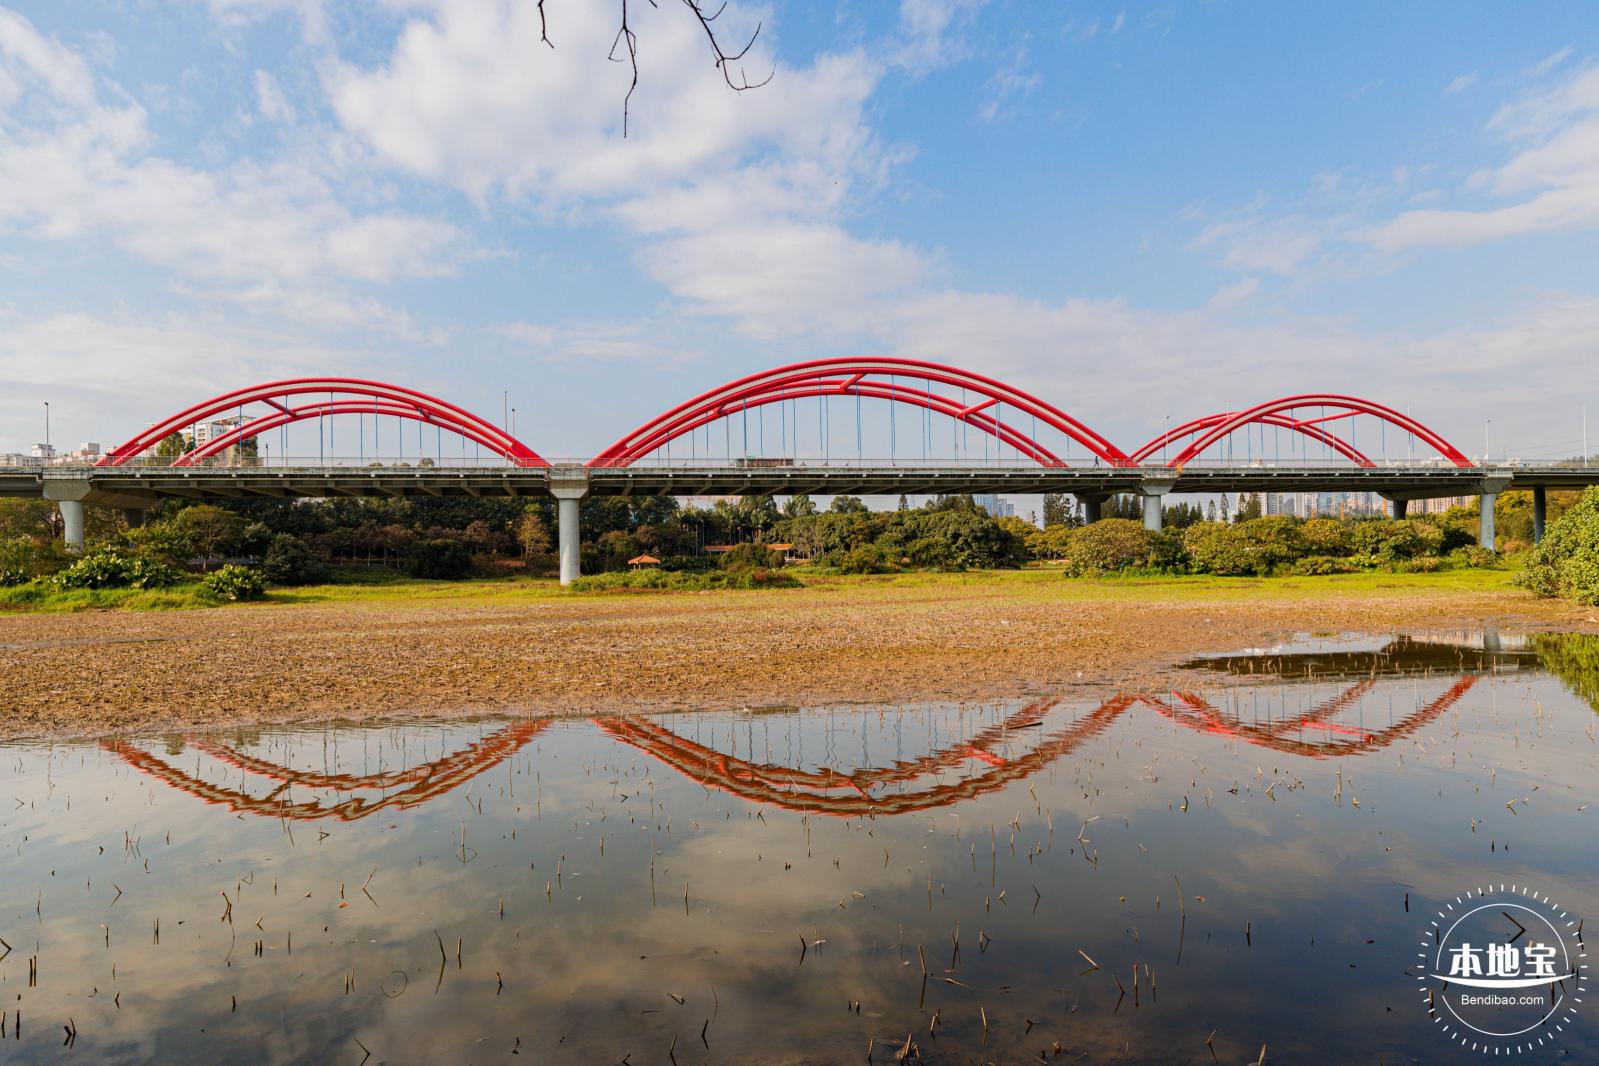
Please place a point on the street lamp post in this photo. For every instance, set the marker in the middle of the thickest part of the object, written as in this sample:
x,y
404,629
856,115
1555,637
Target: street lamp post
x,y
1485,424
47,430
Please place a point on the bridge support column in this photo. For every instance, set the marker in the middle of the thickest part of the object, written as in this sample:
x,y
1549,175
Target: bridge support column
x,y
1401,507
72,523
1491,488
133,516
1154,493
1540,512
1093,508
569,488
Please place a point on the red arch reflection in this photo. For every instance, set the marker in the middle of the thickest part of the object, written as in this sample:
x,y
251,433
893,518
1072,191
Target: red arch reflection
x,y
822,791
850,795
423,782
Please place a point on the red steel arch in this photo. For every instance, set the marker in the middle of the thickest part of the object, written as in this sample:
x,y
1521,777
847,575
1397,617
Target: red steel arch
x,y
1313,431
944,389
336,396
1207,431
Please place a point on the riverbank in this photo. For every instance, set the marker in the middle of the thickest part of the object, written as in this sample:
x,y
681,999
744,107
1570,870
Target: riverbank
x,y
516,646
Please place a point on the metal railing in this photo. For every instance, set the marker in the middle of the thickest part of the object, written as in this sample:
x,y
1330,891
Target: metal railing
x,y
770,464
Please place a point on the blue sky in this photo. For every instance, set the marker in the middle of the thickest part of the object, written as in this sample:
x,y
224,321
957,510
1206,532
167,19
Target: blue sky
x,y
1133,210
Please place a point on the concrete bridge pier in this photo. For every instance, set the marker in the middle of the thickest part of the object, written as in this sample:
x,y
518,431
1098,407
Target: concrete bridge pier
x,y
133,516
1154,492
569,492
1401,508
1491,488
1540,512
1093,508
72,524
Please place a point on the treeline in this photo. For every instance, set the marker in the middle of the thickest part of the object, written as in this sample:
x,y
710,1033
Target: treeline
x,y
302,541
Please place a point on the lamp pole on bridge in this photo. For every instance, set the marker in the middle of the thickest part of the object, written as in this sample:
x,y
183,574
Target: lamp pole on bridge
x,y
1485,424
47,429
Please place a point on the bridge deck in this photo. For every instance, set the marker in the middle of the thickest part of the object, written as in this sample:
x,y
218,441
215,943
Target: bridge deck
x,y
128,485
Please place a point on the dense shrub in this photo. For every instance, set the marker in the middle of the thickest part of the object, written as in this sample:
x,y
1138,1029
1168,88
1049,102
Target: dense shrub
x,y
234,583
951,538
161,539
1257,546
1567,562
1324,536
291,561
750,557
1107,546
683,581
866,559
1472,556
115,568
694,564
1214,548
1380,543
24,558
1320,565
443,560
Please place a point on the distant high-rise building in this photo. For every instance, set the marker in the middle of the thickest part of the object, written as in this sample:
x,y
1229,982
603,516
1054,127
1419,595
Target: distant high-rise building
x,y
996,505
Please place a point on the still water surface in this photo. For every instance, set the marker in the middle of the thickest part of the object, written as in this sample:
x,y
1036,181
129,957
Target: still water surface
x,y
1171,877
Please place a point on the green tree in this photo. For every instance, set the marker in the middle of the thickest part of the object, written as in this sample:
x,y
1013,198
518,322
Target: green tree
x,y
1060,509
210,531
799,506
1109,545
1566,563
533,535
849,505
171,446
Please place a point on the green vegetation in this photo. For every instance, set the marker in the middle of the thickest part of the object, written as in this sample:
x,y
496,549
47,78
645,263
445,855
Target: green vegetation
x,y
687,581
1566,564
111,567
233,584
305,545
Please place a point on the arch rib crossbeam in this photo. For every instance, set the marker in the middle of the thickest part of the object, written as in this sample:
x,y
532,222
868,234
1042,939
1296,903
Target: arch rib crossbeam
x,y
1311,429
391,399
960,394
1341,406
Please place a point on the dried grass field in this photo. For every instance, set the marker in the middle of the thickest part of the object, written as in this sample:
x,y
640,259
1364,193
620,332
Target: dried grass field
x,y
524,647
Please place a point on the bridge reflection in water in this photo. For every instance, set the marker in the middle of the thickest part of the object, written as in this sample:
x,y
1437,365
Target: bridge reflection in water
x,y
984,762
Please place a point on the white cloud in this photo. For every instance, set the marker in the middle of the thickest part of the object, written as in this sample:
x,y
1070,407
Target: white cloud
x,y
1007,87
75,161
95,369
311,14
470,98
270,101
1554,176
1460,84
1251,241
928,29
1549,62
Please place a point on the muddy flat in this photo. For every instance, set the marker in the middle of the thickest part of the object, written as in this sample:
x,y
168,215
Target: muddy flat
x,y
968,637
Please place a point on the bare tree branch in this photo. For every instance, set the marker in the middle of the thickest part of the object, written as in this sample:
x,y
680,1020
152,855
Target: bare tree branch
x,y
724,59
626,41
544,28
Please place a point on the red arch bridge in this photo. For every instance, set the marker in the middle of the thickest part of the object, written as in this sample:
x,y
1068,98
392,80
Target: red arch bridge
x,y
839,426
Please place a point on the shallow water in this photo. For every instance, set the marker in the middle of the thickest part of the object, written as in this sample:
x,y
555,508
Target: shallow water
x,y
770,885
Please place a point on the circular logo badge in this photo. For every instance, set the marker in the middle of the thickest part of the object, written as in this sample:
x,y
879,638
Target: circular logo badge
x,y
1503,969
